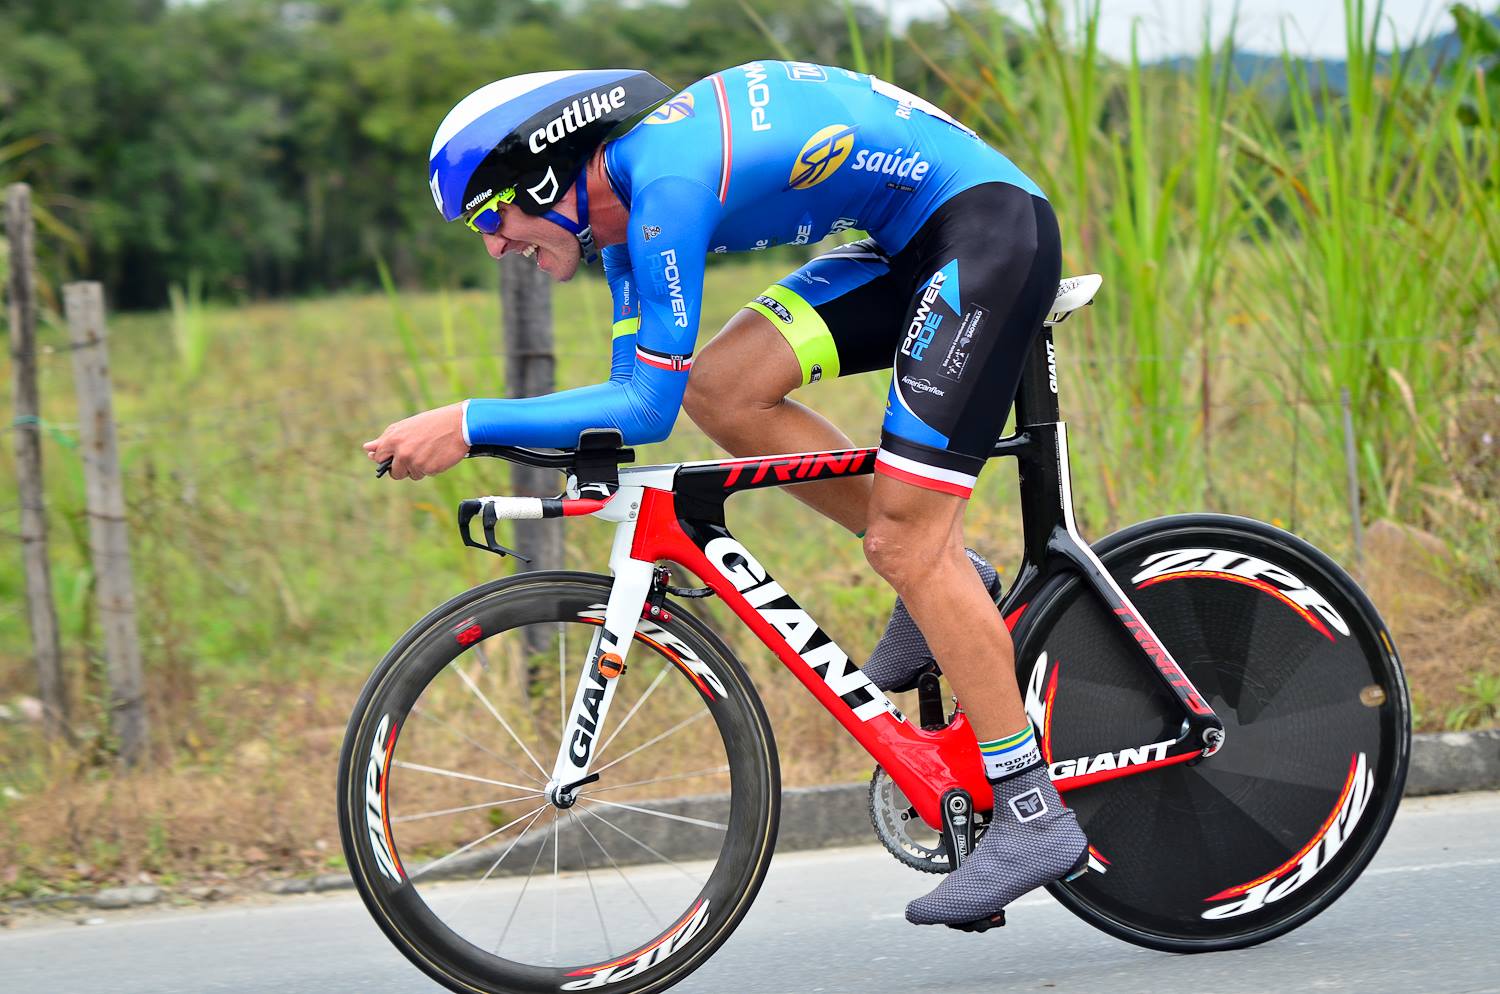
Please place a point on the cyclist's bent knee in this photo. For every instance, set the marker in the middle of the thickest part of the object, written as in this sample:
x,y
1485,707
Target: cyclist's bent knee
x,y
746,367
907,551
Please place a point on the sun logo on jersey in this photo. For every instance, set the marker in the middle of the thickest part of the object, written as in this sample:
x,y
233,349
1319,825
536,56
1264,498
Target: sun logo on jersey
x,y
821,157
676,109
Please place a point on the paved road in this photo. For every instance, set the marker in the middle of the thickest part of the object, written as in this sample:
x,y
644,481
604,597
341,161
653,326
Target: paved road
x,y
1425,917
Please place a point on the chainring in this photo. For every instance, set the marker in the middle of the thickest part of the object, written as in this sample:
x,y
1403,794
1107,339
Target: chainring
x,y
902,831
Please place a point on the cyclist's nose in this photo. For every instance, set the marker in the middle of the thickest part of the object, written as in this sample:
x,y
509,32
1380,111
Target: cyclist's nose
x,y
495,244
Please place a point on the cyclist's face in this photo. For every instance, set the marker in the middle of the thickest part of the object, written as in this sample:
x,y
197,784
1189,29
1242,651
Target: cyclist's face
x,y
556,251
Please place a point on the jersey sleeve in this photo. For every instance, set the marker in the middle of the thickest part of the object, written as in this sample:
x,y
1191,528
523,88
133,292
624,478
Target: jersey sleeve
x,y
671,220
625,310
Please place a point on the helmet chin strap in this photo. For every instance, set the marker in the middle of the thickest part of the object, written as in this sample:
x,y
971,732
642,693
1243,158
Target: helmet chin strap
x,y
579,228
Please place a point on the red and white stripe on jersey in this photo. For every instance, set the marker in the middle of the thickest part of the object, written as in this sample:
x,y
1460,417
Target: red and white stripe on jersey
x,y
663,361
921,475
725,135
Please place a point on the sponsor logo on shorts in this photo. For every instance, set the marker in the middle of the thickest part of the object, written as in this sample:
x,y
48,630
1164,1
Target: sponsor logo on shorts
x,y
844,224
679,108
821,156
650,231
957,356
775,307
924,324
923,386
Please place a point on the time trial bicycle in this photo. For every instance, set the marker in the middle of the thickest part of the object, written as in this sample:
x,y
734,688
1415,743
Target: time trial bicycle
x,y
565,781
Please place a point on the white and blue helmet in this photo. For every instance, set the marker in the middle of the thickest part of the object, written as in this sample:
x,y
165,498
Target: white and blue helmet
x,y
531,134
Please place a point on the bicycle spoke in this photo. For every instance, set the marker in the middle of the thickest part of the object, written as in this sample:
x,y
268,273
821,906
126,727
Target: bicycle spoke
x,y
556,851
419,768
537,813
609,948
428,868
529,874
469,682
427,716
466,807
660,676
660,814
665,859
621,873
676,776
698,716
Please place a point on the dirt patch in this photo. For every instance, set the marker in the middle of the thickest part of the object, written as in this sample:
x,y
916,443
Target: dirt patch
x,y
1444,634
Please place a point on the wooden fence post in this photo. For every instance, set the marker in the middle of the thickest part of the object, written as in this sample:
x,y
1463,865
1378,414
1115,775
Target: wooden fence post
x,y
530,371
109,540
20,231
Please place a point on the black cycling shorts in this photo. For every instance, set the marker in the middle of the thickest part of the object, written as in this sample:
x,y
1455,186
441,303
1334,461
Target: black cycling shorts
x,y
952,314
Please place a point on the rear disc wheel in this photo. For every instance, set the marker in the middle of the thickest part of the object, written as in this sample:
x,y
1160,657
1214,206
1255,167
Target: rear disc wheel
x,y
1255,840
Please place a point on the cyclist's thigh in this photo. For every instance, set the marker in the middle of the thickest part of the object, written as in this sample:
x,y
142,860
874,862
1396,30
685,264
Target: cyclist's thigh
x,y
838,312
985,269
747,362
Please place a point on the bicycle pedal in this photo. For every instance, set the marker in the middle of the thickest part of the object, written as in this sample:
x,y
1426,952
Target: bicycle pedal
x,y
981,924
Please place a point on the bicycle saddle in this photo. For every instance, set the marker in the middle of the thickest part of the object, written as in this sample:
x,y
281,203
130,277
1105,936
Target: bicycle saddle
x,y
1073,293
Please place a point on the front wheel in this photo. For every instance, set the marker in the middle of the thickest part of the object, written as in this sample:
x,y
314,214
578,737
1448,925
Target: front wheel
x,y
1255,840
487,884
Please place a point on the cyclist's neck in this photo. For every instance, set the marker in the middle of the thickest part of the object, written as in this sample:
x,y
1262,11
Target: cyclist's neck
x,y
608,216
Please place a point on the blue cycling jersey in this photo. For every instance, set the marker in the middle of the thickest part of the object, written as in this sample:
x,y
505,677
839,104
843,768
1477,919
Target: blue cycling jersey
x,y
768,153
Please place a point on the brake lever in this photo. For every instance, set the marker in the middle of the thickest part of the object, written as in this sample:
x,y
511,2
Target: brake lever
x,y
467,509
384,467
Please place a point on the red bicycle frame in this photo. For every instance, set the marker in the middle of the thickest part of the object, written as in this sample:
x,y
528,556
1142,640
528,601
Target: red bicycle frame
x,y
676,513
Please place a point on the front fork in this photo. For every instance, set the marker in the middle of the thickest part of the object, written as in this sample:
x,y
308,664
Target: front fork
x,y
584,725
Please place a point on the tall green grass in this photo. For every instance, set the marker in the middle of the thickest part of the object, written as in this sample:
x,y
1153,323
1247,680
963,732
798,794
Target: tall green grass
x,y
1265,246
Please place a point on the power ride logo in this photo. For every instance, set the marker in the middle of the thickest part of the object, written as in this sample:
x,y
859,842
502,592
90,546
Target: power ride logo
x,y
821,156
679,108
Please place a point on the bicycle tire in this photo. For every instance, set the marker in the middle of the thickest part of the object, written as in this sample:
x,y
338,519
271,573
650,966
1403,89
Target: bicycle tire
x,y
1250,843
402,690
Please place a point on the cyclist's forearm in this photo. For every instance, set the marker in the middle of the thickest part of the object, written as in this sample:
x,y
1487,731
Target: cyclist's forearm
x,y
643,408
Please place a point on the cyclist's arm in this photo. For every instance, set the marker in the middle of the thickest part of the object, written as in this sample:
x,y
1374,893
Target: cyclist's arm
x,y
626,311
668,279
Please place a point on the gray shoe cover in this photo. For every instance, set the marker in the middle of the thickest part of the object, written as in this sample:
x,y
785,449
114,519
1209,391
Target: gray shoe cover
x,y
901,655
1032,840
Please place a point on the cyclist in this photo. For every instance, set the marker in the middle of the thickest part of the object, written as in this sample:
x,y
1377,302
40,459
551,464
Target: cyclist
x,y
950,288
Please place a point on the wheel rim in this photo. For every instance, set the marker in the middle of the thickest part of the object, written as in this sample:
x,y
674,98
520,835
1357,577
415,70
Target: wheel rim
x,y
1262,835
497,884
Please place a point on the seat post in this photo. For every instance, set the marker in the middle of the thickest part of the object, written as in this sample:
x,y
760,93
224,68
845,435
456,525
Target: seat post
x,y
1036,394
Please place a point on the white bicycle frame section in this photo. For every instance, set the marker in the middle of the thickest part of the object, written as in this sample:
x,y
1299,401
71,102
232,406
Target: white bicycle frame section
x,y
585,721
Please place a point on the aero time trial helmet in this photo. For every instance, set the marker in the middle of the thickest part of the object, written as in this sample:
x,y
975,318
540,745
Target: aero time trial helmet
x,y
523,139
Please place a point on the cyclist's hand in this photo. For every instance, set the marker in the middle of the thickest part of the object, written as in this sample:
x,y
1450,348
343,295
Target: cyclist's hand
x,y
423,444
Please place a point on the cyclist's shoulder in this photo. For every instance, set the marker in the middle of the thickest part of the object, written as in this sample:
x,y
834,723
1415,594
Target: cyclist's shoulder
x,y
680,138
